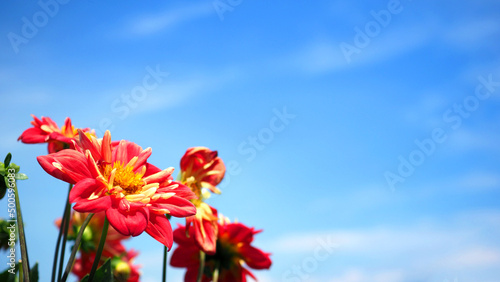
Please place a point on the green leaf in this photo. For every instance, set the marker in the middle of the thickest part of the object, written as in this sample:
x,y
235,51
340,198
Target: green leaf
x,y
8,276
3,187
7,159
102,274
34,273
20,176
15,167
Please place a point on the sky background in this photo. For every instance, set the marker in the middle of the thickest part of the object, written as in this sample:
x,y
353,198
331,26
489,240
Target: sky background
x,y
363,137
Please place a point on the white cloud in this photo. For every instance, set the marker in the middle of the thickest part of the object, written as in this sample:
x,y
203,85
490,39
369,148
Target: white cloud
x,y
479,181
465,244
472,140
174,93
326,55
359,275
473,257
472,34
397,38
149,24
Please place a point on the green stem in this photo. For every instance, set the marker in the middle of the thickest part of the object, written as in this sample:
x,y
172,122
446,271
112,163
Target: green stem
x,y
20,272
58,243
99,249
164,276
76,247
202,266
22,238
216,271
64,228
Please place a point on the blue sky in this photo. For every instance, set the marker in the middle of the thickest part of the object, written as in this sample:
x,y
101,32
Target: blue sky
x,y
362,137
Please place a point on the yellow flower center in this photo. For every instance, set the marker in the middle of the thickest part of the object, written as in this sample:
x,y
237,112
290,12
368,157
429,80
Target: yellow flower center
x,y
125,178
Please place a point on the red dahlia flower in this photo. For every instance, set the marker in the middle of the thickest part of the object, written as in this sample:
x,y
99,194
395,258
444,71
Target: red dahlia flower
x,y
233,251
118,180
47,131
123,268
201,167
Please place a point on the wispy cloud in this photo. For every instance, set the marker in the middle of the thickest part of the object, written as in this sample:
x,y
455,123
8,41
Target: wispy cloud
x,y
473,34
473,140
174,93
464,246
472,257
153,23
325,55
480,180
359,275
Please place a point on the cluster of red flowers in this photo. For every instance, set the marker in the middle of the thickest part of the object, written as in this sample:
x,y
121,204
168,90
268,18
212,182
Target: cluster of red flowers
x,y
115,181
121,259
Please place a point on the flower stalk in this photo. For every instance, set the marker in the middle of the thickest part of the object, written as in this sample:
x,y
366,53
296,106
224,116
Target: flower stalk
x,y
76,247
216,271
99,249
164,273
202,266
22,237
64,229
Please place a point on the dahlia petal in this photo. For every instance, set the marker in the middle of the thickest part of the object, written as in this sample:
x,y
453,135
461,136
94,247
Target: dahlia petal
x,y
125,151
85,188
151,169
255,258
68,127
192,274
50,123
180,236
210,187
207,239
57,136
160,176
55,147
186,256
240,233
132,223
142,158
66,165
33,135
177,206
160,229
179,189
196,157
93,206
87,144
106,147
91,165
216,172
245,272
235,274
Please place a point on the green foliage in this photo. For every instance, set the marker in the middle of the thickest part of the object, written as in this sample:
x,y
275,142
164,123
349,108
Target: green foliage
x,y
6,173
102,274
7,276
